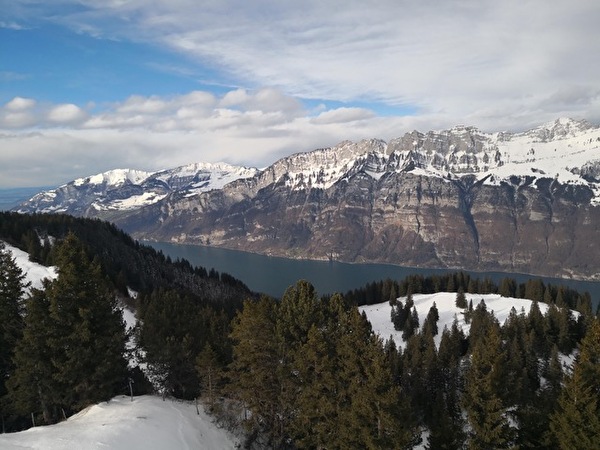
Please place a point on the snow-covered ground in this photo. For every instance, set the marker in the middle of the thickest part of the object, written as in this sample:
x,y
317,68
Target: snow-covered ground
x,y
34,272
380,314
147,423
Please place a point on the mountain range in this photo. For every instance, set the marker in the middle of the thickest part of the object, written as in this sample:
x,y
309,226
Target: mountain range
x,y
459,198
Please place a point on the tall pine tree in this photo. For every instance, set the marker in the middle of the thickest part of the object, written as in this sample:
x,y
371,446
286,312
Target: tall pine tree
x,y
486,412
83,337
576,423
12,288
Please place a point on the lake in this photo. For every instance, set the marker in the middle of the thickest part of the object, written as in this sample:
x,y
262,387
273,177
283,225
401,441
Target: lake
x,y
273,275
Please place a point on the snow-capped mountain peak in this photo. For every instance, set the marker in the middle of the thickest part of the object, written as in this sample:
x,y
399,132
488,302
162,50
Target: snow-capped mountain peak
x,y
116,177
126,189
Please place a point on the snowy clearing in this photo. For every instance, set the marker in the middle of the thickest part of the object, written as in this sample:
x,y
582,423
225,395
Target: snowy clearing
x,y
380,314
34,272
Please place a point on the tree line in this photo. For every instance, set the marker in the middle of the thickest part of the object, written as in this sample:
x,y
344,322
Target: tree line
x,y
533,289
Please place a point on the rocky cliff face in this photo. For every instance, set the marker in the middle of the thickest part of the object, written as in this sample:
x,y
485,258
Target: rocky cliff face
x,y
459,198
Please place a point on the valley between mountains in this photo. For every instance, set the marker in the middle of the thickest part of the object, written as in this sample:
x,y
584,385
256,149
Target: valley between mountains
x,y
459,198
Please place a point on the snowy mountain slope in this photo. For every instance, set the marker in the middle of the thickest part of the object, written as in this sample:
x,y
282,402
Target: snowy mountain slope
x,y
525,202
565,150
146,423
561,149
380,314
34,272
127,189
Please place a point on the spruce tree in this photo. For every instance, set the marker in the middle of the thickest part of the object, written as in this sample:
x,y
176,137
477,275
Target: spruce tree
x,y
171,337
12,289
461,299
486,412
32,388
72,351
375,413
89,339
210,372
430,323
255,366
576,423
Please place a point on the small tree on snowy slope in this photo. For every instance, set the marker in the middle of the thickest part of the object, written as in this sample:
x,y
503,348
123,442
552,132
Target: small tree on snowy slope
x,y
461,299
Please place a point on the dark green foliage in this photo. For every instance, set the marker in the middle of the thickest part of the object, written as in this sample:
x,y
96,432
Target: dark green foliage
x,y
430,323
576,422
32,388
461,299
411,326
12,288
255,365
124,261
486,410
508,287
210,372
175,329
313,373
72,351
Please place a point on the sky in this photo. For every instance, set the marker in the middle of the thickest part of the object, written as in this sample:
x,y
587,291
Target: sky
x,y
88,86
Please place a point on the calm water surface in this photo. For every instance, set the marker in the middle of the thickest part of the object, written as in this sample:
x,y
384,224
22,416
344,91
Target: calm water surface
x,y
272,275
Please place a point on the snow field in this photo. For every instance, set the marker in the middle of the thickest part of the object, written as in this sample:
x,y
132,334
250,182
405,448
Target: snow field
x,y
380,314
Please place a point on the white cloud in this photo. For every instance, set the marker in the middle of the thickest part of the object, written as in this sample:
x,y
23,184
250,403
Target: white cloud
x,y
496,65
66,114
20,104
456,58
58,143
342,115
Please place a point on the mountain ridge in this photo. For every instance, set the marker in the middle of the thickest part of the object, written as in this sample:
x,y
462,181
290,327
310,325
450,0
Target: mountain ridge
x,y
457,198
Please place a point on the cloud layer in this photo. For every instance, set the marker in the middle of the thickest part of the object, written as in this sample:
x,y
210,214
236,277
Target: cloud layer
x,y
496,65
46,144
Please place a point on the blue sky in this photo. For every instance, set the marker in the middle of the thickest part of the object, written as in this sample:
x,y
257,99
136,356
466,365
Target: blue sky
x,y
88,86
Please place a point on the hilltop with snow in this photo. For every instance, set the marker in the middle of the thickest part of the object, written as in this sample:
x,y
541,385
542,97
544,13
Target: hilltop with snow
x,y
121,424
380,314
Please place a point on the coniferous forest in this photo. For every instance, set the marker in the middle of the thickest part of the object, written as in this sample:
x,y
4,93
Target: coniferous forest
x,y
303,371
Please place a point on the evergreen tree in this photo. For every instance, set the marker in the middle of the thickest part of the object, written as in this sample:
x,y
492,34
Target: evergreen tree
x,y
412,325
486,413
89,341
576,423
508,287
399,314
210,372
77,332
461,299
32,388
12,289
430,323
255,366
377,414
172,337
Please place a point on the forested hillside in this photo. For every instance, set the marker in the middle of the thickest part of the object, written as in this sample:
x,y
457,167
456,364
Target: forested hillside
x,y
314,375
63,347
127,263
301,372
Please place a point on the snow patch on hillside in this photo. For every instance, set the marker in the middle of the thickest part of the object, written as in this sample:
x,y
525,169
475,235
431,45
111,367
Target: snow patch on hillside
x,y
34,272
120,424
380,314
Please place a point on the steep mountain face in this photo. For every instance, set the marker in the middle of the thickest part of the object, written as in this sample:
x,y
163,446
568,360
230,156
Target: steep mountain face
x,y
126,189
460,198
